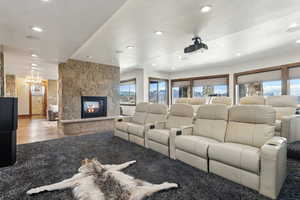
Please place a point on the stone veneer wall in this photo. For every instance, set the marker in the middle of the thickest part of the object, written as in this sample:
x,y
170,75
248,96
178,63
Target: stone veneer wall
x,y
2,78
10,88
78,78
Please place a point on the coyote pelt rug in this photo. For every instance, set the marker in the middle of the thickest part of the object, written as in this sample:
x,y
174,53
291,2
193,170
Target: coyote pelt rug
x,y
96,181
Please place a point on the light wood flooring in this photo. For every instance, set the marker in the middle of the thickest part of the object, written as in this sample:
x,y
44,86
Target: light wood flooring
x,y
36,129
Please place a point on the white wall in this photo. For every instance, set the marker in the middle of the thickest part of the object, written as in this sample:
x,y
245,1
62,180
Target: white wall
x,y
23,96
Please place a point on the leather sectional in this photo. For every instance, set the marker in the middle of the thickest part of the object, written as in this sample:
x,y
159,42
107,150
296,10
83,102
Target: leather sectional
x,y
237,143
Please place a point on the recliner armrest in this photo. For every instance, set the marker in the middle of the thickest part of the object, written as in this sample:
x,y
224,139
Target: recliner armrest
x,y
273,166
160,125
187,130
290,127
124,119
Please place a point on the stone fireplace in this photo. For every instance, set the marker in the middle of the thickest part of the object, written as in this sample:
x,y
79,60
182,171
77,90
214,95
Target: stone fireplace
x,y
88,97
92,106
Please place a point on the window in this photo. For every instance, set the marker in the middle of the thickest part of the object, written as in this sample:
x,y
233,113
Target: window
x,y
210,87
128,92
294,82
158,91
259,84
180,89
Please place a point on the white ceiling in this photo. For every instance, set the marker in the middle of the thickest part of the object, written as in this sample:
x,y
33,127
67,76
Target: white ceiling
x,y
232,27
78,29
67,25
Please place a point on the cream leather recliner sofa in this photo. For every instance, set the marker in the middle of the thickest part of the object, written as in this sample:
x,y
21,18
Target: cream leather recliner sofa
x,y
287,123
180,118
194,102
134,129
251,155
209,128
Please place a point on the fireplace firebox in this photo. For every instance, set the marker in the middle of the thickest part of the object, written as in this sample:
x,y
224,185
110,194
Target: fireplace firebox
x,y
92,106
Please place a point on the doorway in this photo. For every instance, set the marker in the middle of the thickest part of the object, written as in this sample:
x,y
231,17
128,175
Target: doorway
x,y
38,99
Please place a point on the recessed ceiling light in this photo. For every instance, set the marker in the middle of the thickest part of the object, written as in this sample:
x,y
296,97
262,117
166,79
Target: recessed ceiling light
x,y
34,65
37,29
298,41
158,32
153,64
206,9
238,54
45,0
130,47
293,25
34,56
34,68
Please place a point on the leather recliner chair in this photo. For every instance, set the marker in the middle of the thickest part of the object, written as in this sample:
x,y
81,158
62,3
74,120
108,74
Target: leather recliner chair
x,y
251,155
139,118
180,118
222,100
209,128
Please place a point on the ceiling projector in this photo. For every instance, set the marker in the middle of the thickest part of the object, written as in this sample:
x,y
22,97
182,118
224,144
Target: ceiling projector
x,y
198,45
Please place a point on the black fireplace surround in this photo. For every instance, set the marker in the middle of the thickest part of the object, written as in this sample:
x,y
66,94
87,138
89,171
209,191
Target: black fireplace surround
x,y
92,106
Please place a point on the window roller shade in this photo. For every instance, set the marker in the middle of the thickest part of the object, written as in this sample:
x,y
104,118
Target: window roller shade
x,y
210,82
294,73
127,83
259,77
180,83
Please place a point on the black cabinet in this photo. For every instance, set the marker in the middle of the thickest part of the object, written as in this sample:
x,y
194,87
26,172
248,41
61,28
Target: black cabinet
x,y
8,128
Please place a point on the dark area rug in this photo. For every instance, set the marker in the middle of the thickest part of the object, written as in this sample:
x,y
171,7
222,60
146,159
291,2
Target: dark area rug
x,y
52,161
294,150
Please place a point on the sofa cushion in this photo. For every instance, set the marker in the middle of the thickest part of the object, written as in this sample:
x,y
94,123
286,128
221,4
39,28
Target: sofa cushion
x,y
222,100
197,101
136,129
214,129
282,112
122,126
253,100
211,122
256,114
177,122
237,155
254,135
139,117
159,135
213,112
196,145
182,110
282,101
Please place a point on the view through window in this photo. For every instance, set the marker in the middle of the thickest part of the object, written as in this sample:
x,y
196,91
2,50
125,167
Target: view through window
x,y
128,92
158,91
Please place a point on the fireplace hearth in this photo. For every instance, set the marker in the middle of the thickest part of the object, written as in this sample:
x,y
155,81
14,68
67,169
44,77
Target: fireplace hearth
x,y
92,106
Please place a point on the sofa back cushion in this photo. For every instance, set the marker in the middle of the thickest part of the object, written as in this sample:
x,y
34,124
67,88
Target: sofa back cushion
x,y
140,114
180,115
284,105
282,101
222,100
197,101
253,100
156,113
250,125
211,121
183,100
